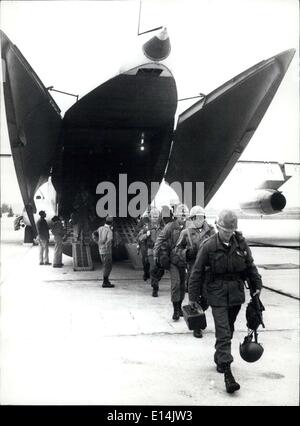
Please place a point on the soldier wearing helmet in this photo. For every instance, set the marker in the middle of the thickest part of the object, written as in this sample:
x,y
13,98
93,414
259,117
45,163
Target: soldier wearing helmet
x,y
140,231
228,261
190,241
165,255
156,270
147,237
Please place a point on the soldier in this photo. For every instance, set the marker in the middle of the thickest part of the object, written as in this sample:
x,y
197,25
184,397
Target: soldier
x,y
156,270
165,255
190,241
142,228
147,237
58,233
43,238
105,241
228,260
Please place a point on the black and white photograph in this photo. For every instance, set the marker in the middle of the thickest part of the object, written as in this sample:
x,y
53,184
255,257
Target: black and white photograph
x,y
150,206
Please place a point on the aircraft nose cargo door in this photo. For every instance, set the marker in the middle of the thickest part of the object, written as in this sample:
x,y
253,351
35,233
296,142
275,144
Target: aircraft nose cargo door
x,y
34,123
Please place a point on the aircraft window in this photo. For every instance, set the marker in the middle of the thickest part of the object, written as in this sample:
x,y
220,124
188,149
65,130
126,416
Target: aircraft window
x,y
153,71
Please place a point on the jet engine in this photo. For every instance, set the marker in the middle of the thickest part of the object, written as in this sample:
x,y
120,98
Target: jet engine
x,y
264,201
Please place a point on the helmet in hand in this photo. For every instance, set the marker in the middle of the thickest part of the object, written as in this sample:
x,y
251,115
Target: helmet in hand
x,y
250,351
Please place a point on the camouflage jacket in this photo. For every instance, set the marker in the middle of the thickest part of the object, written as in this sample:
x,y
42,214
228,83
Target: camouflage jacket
x,y
192,238
166,242
148,236
227,267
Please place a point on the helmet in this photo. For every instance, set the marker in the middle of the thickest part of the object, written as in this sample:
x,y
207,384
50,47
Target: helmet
x,y
197,211
181,211
227,220
146,213
154,213
109,219
250,351
166,212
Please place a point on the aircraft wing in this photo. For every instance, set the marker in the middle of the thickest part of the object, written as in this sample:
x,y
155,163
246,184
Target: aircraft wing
x,y
212,134
34,122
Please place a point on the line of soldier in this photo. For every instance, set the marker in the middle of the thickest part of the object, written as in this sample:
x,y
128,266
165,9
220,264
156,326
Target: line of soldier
x,y
211,266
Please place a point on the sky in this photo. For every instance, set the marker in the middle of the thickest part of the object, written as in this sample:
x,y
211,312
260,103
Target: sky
x,y
77,45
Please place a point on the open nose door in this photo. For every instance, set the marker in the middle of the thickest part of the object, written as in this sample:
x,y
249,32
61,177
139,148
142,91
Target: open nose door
x,y
212,134
33,120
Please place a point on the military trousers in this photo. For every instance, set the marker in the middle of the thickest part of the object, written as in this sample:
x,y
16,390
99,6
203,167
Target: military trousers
x,y
224,319
177,274
189,267
145,260
156,273
106,260
57,255
44,251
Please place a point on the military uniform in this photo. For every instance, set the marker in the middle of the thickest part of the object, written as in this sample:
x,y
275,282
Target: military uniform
x,y
147,238
189,243
228,267
141,239
164,250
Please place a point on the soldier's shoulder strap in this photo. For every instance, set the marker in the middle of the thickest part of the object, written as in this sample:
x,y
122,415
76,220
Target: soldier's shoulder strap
x,y
189,236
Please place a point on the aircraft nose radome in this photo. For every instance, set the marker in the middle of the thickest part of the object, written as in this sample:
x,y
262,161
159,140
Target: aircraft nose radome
x,y
284,58
163,35
158,47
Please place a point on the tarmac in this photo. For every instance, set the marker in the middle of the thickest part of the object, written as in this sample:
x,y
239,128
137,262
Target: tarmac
x,y
65,340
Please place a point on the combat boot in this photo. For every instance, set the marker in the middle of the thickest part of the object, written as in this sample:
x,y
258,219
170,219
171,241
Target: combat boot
x,y
155,292
230,383
106,283
198,334
146,276
176,313
180,309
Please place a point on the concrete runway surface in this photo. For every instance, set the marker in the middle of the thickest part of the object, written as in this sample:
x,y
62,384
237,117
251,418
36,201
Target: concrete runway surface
x,y
66,340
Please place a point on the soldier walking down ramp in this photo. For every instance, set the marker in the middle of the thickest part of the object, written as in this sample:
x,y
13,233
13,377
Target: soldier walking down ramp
x,y
228,261
43,237
105,241
157,271
164,254
143,226
190,240
147,237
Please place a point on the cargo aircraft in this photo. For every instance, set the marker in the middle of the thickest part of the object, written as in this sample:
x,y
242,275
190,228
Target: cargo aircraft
x,y
128,125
